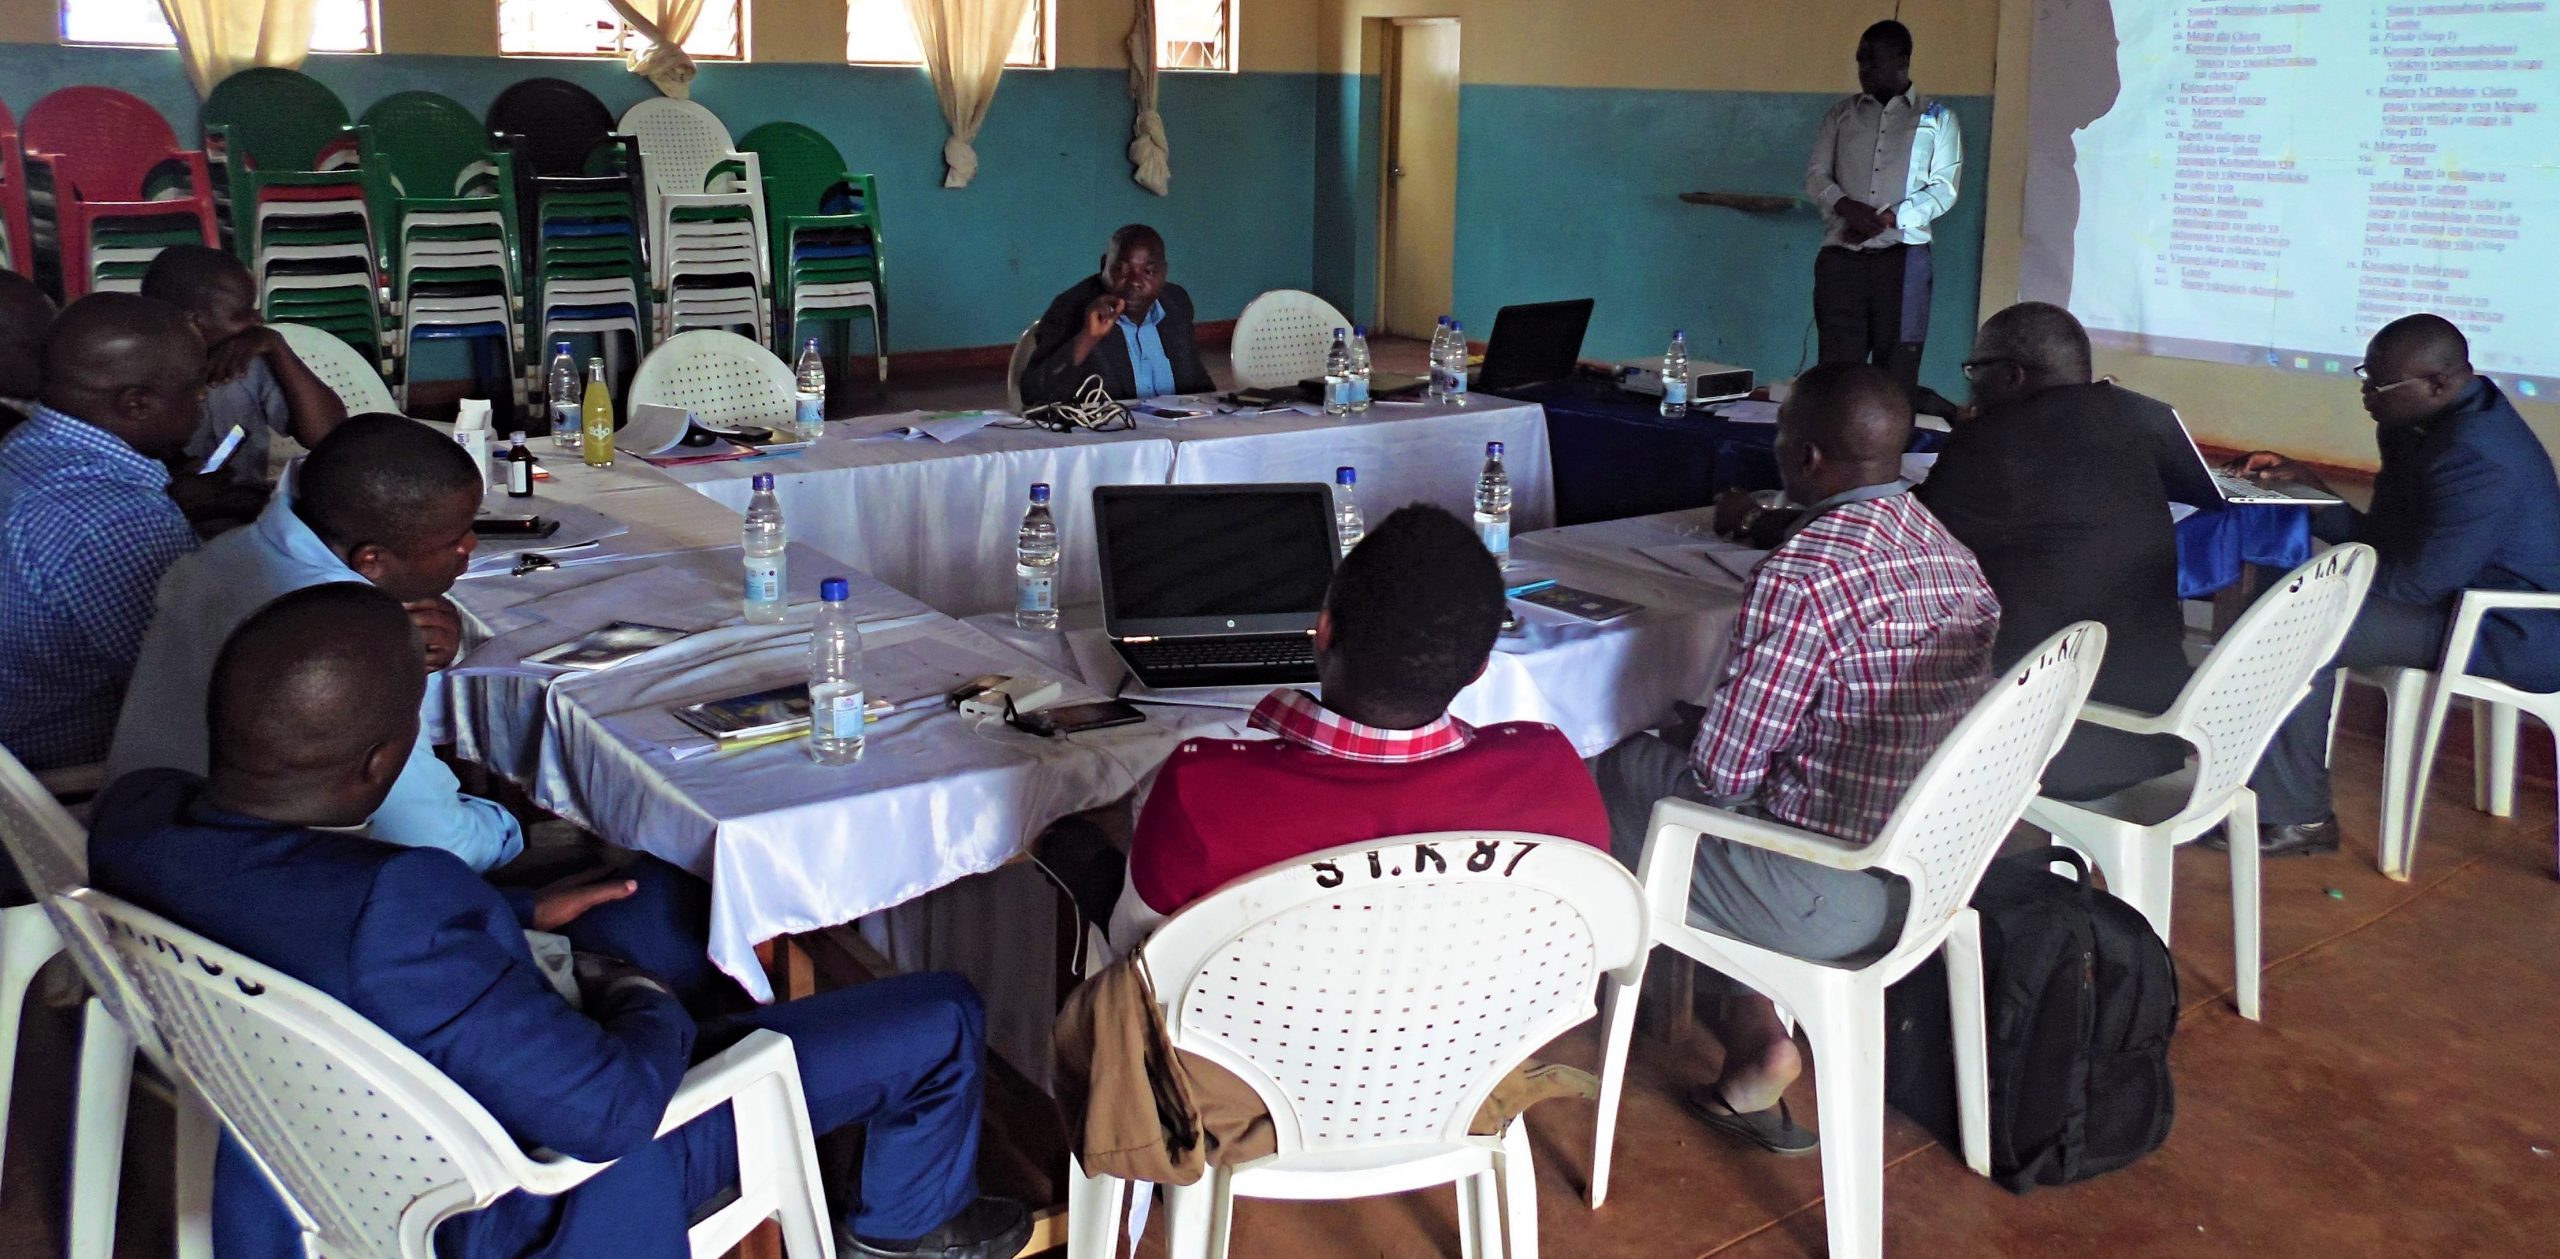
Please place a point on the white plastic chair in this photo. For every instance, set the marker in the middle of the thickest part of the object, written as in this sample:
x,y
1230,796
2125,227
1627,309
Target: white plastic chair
x,y
1373,1005
50,850
681,145
2228,712
1940,840
371,1147
2409,750
340,367
725,379
1013,369
1281,339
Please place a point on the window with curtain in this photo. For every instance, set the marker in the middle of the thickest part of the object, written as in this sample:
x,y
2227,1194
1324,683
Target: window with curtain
x,y
591,28
336,25
879,33
1196,34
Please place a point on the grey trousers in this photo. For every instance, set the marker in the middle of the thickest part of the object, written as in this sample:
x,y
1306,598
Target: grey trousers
x,y
1748,894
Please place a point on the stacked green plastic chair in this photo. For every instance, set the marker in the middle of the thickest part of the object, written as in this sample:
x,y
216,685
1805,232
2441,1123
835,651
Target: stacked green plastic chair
x,y
825,237
288,173
445,198
586,262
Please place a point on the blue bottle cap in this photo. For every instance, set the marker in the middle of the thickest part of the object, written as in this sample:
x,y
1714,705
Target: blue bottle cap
x,y
1345,476
1039,491
834,590
560,347
1493,450
1340,333
763,481
1457,326
1679,334
1359,330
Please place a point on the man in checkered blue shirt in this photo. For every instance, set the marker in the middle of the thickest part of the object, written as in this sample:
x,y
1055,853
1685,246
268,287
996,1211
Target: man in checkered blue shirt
x,y
86,523
1862,638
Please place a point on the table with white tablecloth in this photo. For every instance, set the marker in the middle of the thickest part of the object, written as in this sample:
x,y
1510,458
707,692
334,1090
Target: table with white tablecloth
x,y
1406,453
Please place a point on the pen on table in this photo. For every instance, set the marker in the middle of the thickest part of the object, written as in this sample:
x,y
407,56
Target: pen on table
x,y
1528,588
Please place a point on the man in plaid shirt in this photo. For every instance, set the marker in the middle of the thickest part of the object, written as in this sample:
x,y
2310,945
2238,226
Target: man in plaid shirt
x,y
1862,638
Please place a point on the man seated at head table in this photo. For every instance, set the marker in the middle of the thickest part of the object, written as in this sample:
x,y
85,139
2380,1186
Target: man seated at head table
x,y
2466,500
1126,324
2054,487
386,500
1410,620
257,384
314,706
25,315
86,523
1862,639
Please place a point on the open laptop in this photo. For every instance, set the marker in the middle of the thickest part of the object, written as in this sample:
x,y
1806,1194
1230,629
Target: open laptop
x,y
1214,585
1534,343
2240,489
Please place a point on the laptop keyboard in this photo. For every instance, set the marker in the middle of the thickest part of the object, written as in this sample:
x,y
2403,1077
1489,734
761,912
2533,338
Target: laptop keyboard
x,y
2242,490
1223,653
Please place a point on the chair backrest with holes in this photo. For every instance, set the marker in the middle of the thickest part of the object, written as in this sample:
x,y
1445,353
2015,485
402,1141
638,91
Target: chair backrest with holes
x,y
1374,994
1281,338
723,378
679,140
104,142
370,1144
51,852
339,366
2232,705
1949,824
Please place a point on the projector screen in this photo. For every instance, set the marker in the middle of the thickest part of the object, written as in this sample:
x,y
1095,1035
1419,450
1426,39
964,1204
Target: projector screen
x,y
2268,183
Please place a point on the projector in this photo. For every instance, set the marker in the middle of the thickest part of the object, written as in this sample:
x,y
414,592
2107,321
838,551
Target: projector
x,y
1709,382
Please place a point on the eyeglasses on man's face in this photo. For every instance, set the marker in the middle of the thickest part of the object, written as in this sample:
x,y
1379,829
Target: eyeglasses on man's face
x,y
2373,386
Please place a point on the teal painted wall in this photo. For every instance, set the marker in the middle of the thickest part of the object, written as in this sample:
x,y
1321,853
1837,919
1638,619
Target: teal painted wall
x,y
967,267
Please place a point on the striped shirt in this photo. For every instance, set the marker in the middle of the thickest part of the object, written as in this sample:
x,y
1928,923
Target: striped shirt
x,y
1861,641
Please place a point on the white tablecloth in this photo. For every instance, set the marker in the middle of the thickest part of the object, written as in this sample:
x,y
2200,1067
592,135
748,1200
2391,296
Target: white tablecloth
x,y
1425,453
938,520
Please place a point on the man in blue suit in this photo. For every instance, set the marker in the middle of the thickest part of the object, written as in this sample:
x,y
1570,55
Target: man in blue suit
x,y
313,706
2466,500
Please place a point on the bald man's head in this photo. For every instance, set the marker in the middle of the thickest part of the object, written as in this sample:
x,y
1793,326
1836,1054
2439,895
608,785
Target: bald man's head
x,y
2414,368
130,365
26,315
314,704
1842,426
2026,349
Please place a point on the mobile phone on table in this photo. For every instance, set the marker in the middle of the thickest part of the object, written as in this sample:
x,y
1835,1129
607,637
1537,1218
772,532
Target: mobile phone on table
x,y
525,526
1077,718
1162,412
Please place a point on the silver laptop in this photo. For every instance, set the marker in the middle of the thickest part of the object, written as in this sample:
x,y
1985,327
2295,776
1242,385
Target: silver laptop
x,y
1214,585
2240,489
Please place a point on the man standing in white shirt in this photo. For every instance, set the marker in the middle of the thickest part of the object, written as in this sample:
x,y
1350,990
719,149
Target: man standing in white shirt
x,y
1885,166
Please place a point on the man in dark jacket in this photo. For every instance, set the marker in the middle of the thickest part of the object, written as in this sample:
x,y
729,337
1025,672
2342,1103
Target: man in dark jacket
x,y
2466,500
2054,486
1125,324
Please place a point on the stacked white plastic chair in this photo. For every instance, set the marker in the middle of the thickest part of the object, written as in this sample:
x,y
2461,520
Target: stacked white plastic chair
x,y
707,227
726,380
1373,996
371,1147
1281,339
1939,841
340,367
2228,713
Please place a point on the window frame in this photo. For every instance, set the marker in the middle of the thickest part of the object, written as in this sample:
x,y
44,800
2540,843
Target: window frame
x,y
622,40
1234,11
1046,46
372,33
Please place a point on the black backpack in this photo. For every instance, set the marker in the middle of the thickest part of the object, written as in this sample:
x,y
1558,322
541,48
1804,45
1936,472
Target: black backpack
x,y
2081,1000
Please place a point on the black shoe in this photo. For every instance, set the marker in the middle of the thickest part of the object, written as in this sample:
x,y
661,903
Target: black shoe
x,y
2296,839
989,1228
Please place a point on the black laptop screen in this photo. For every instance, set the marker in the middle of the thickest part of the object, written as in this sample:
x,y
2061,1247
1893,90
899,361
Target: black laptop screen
x,y
1217,552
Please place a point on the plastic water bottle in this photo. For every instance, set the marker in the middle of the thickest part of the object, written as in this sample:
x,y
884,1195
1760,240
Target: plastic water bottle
x,y
1337,374
1454,390
596,419
835,679
1348,525
1493,505
809,405
567,398
765,539
1359,373
1035,565
1439,387
1675,375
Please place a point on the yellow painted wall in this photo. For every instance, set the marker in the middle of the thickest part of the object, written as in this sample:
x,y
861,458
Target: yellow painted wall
x,y
1684,45
1274,36
2226,404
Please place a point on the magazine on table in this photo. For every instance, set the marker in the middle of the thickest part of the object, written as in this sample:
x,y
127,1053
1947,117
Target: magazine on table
x,y
607,647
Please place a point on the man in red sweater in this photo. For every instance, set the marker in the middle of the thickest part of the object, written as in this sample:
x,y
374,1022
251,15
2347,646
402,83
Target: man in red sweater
x,y
1409,622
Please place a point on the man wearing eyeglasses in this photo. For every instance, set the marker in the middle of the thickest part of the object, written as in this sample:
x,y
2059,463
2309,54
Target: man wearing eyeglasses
x,y
2466,500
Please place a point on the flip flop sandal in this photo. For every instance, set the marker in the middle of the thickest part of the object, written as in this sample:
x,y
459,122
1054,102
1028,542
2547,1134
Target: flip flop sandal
x,y
1773,1129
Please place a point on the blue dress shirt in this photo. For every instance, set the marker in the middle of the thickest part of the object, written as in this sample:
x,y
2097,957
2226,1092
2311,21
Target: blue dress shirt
x,y
205,597
86,530
1147,363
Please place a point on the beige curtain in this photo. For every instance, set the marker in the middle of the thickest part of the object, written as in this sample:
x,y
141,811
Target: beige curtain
x,y
964,43
1147,149
663,25
218,38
